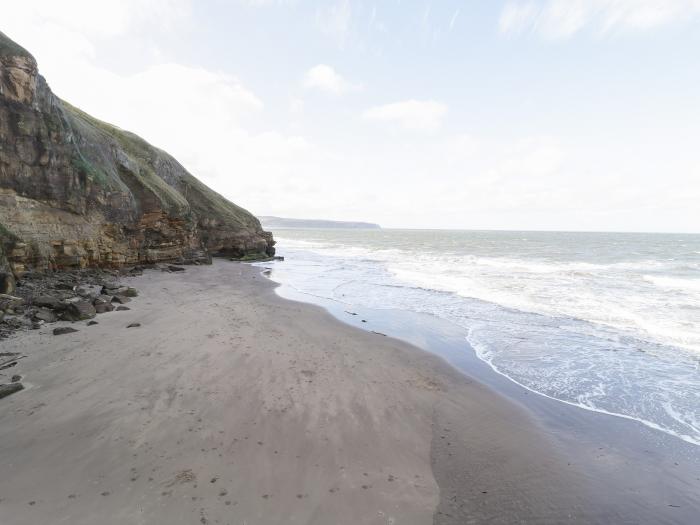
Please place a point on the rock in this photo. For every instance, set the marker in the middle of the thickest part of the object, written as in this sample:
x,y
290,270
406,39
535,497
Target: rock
x,y
88,292
7,283
133,325
7,390
49,301
46,315
174,268
64,330
10,302
122,308
16,378
114,290
102,308
79,311
131,292
121,299
92,323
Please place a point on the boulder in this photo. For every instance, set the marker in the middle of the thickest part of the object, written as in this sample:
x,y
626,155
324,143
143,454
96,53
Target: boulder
x,y
49,301
122,308
7,283
10,302
114,290
103,304
46,315
79,311
121,299
131,292
174,268
133,325
7,390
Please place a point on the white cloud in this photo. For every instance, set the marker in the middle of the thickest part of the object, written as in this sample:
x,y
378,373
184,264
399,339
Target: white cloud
x,y
559,19
422,115
325,78
335,21
454,18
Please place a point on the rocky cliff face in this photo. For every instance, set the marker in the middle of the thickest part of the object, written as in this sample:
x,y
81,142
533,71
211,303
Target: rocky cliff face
x,y
77,192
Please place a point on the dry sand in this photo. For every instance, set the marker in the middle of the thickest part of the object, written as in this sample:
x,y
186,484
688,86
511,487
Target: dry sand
x,y
231,405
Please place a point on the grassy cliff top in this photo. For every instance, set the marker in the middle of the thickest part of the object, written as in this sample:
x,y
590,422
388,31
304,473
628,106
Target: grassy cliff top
x,y
176,189
9,47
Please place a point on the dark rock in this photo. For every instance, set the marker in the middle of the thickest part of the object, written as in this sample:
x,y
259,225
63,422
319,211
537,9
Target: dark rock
x,y
102,307
10,302
174,268
16,378
114,290
92,323
103,304
133,325
6,390
121,299
46,315
7,283
49,301
63,330
79,311
122,308
131,292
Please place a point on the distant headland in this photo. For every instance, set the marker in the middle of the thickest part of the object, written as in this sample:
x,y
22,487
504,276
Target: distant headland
x,y
303,224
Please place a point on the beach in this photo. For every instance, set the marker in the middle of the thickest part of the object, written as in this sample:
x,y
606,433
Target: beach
x,y
232,405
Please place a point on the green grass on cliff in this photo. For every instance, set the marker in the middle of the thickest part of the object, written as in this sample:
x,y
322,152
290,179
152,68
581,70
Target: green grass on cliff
x,y
192,194
10,48
138,151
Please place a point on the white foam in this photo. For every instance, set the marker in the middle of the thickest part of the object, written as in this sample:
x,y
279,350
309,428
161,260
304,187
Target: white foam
x,y
612,334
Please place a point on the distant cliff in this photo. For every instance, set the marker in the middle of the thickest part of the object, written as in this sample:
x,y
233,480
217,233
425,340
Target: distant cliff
x,y
76,192
281,223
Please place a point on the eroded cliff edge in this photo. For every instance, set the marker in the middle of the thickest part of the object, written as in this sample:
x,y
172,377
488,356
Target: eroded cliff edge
x,y
78,192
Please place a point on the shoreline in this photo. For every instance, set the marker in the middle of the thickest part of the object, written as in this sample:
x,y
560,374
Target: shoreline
x,y
655,471
230,404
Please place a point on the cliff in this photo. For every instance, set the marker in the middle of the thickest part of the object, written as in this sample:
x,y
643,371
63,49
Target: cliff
x,y
78,192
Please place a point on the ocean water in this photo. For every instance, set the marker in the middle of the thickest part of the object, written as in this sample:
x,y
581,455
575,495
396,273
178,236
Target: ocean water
x,y
606,321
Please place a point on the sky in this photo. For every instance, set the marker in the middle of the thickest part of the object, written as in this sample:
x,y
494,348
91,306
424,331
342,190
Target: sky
x,y
513,114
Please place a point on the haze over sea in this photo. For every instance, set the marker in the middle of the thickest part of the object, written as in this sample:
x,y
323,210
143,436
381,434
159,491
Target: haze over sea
x,y
606,321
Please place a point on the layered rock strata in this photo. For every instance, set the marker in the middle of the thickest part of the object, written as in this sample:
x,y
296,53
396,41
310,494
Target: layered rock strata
x,y
77,192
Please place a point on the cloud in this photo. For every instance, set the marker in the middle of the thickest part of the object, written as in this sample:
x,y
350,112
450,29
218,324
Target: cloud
x,y
560,19
420,115
325,78
335,21
454,18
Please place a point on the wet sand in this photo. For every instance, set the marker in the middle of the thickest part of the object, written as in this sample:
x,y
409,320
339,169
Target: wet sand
x,y
232,405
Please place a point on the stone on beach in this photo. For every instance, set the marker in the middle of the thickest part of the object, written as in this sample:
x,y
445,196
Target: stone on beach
x,y
79,311
46,315
9,389
64,330
49,301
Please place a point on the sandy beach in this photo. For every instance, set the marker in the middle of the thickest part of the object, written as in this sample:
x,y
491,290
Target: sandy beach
x,y
231,405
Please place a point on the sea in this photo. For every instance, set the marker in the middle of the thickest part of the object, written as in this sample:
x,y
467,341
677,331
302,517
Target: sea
x,y
608,322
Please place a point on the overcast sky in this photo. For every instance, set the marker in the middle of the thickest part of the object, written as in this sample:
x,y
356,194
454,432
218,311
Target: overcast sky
x,y
552,114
